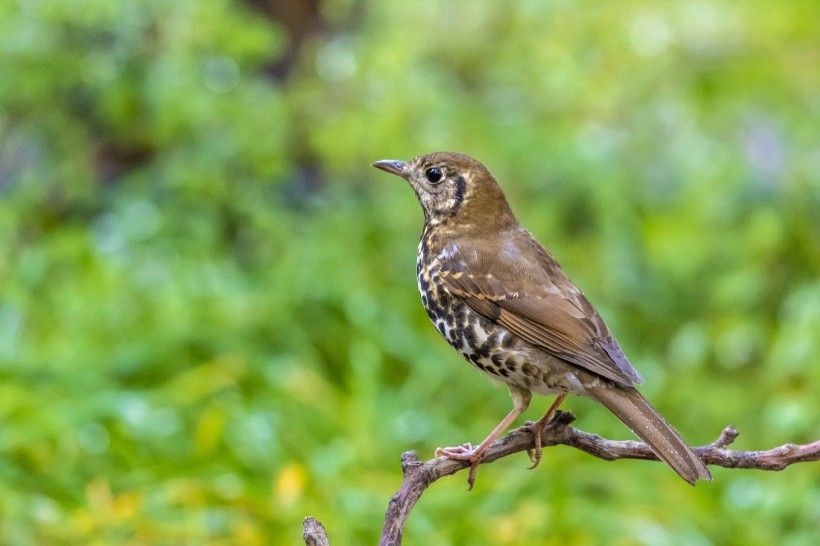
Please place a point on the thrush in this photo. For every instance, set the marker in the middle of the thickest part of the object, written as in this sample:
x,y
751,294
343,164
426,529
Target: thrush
x,y
503,302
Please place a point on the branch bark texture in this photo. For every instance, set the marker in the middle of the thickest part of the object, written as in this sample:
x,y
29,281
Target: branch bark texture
x,y
313,533
419,475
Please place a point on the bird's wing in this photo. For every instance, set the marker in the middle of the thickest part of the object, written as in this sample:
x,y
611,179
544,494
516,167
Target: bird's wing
x,y
534,299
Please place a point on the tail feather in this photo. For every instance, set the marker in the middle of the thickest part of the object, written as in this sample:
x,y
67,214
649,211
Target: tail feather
x,y
632,408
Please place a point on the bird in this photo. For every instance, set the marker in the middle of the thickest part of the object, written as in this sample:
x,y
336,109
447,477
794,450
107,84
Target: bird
x,y
503,302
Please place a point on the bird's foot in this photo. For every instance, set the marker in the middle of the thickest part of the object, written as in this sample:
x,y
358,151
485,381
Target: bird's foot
x,y
464,452
538,427
535,427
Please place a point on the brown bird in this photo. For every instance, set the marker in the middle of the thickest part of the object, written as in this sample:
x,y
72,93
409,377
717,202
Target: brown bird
x,y
503,302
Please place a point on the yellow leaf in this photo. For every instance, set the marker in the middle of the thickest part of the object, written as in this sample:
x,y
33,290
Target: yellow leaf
x,y
290,484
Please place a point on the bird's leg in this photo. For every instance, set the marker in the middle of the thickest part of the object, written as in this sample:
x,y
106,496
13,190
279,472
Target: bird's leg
x,y
539,425
466,452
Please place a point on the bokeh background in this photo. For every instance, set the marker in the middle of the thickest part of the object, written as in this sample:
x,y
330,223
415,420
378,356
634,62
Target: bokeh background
x,y
209,323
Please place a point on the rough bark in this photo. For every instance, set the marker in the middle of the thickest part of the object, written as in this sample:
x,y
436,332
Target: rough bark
x,y
419,475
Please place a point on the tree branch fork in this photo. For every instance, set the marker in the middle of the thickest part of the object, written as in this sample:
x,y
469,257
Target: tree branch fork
x,y
419,475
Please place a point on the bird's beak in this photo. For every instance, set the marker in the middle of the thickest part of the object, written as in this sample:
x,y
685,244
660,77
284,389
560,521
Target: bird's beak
x,y
393,166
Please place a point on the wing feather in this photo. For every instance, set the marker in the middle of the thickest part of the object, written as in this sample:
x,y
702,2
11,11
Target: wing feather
x,y
537,302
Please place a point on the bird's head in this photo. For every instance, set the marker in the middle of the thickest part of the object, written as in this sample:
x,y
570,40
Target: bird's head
x,y
453,189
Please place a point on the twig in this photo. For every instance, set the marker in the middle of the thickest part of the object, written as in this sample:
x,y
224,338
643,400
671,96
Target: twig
x,y
418,475
313,533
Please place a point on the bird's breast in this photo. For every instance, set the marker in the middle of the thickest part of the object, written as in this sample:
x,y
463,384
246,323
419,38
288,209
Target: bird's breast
x,y
487,345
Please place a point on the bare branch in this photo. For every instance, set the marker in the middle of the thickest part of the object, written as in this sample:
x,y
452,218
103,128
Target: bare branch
x,y
419,475
313,533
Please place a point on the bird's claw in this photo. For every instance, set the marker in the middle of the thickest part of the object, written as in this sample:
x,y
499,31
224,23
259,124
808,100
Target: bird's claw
x,y
535,455
464,452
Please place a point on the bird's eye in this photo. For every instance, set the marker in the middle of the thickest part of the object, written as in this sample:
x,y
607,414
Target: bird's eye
x,y
434,175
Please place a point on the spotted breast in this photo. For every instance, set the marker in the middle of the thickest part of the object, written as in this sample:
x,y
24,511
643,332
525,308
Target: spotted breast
x,y
487,346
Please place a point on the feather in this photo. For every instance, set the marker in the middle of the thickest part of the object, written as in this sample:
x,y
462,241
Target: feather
x,y
544,308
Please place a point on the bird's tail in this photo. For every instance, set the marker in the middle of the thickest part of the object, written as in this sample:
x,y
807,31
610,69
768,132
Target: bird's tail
x,y
632,408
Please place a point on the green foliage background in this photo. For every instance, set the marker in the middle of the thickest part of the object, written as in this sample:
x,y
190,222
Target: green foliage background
x,y
225,336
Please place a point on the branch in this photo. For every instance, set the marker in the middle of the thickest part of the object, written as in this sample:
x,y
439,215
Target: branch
x,y
420,475
313,533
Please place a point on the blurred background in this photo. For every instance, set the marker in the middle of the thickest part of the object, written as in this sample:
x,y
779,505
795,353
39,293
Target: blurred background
x,y
209,321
